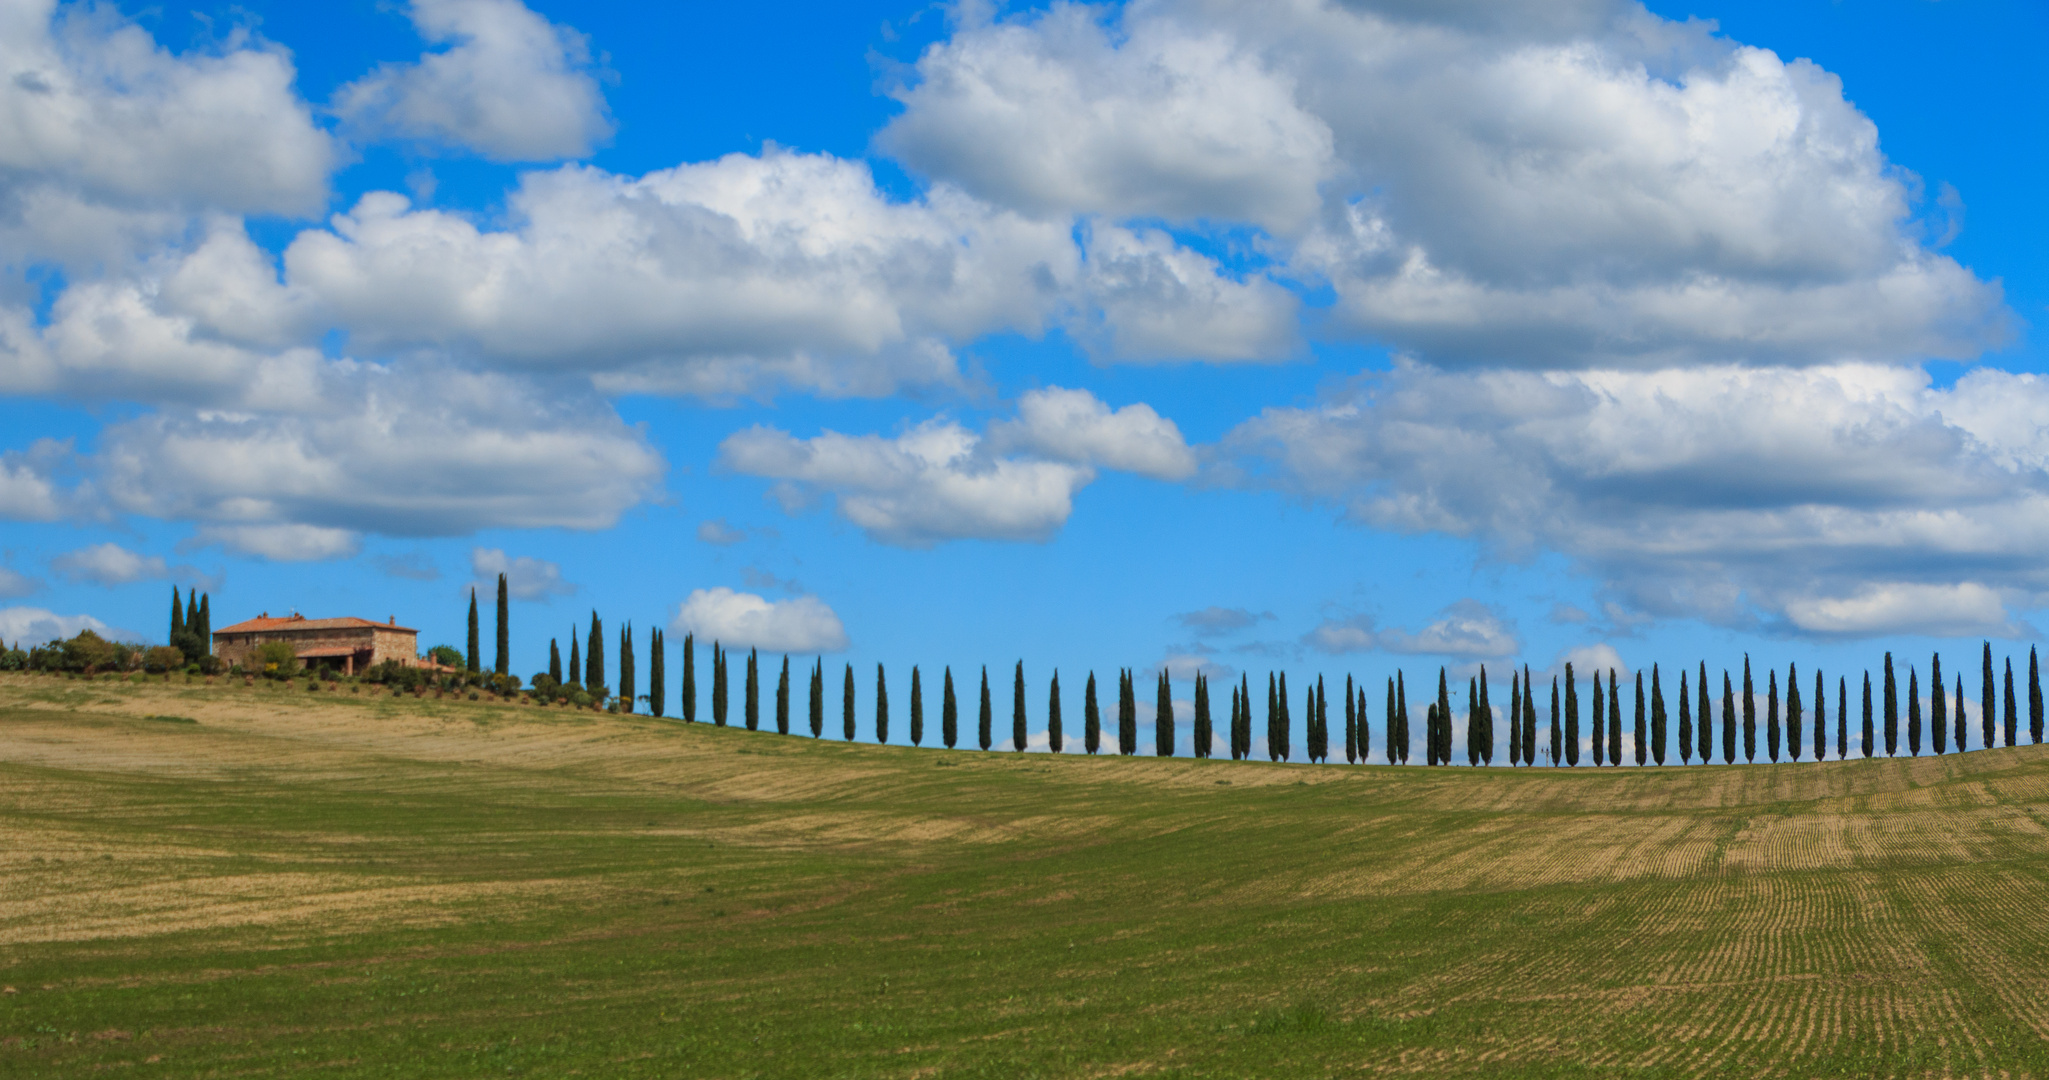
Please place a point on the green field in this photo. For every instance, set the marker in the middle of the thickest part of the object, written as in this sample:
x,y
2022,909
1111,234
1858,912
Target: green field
x,y
339,885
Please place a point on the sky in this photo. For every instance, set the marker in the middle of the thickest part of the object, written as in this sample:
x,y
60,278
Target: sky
x,y
1334,338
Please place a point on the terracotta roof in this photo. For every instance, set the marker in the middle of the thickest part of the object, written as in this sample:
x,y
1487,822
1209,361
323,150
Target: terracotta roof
x,y
300,622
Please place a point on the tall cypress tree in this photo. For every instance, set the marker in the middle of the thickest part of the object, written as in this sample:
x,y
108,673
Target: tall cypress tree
x,y
1443,718
1202,718
504,662
1127,714
1231,735
1319,748
782,698
751,703
657,675
690,678
917,709
470,658
177,635
949,712
1685,722
1657,718
1820,717
1311,724
626,668
1401,700
1055,737
1017,710
1286,727
881,706
1913,712
1556,735
1988,702
718,683
847,705
1614,722
2010,715
1394,756
2034,698
1351,725
1843,719
1163,718
1868,748
1704,716
1728,720
1961,730
985,731
594,655
1642,723
1273,719
555,661
1571,720
1472,722
1486,721
1938,707
575,660
1365,729
205,623
817,710
1600,740
1091,718
1793,712
1771,715
1749,714
1892,710
1515,718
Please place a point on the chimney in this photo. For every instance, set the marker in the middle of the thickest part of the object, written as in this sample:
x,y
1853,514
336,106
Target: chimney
x,y
394,620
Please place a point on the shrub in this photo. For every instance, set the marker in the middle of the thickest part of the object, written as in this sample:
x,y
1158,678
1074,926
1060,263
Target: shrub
x,y
447,655
163,658
276,659
13,659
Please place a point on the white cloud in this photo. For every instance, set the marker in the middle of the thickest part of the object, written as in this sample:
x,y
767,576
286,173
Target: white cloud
x,y
415,451
13,584
1735,494
511,85
526,578
110,564
33,626
27,492
716,531
801,624
1467,628
1598,188
1152,299
1076,427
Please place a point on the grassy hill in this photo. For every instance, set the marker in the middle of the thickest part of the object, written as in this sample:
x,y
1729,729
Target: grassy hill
x,y
230,881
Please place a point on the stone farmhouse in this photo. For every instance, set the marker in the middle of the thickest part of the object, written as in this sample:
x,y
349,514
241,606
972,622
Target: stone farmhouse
x,y
350,645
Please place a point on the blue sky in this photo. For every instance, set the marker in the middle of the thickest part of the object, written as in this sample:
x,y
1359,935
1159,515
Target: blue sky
x,y
1326,339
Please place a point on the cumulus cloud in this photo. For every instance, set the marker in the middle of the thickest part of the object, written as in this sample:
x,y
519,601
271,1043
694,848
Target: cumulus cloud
x,y
939,481
526,578
800,624
510,85
1823,500
1466,629
111,564
28,491
33,626
283,542
1601,187
13,584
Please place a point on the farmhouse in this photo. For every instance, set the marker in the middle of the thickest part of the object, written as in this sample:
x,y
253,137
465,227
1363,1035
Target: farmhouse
x,y
350,644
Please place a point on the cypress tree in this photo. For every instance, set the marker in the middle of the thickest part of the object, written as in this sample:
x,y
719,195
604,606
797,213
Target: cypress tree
x,y
1244,750
1913,712
470,658
1430,733
1749,714
1704,716
1017,710
1600,740
1657,718
782,698
194,624
1515,718
1394,754
1443,718
1365,729
1486,721
986,730
555,661
1273,720
1319,750
1232,736
1472,722
1868,748
949,712
1728,720
751,702
1285,727
817,711
1203,734
1351,726
917,709
504,664
847,705
1555,734
1938,707
575,660
626,667
690,680
205,624
1642,725
881,706
1892,710
2034,698
1614,722
1091,718
1685,722
2011,717
1163,718
1312,724
1961,730
657,676
1988,702
177,634
1820,717
1793,712
1127,714
1055,737
718,684
594,655
1571,720
1401,698
1843,719
1771,715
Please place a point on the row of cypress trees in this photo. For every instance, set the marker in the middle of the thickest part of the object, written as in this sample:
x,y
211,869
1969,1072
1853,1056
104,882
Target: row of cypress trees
x,y
191,624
